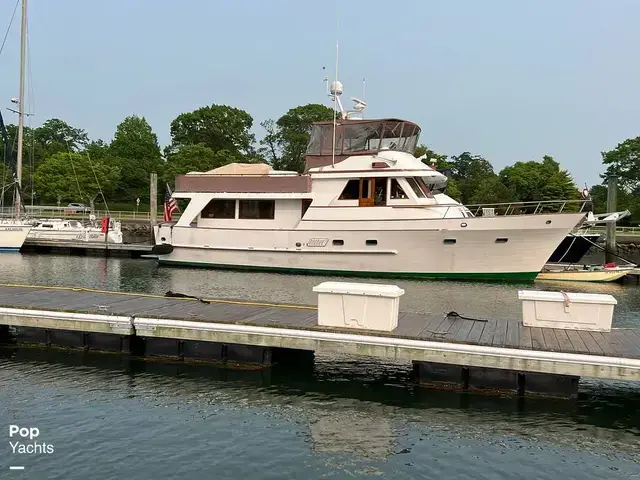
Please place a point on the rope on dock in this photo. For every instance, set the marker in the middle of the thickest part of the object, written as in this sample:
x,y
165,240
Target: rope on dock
x,y
149,295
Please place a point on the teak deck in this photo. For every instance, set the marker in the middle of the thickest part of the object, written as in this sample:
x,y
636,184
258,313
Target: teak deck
x,y
497,333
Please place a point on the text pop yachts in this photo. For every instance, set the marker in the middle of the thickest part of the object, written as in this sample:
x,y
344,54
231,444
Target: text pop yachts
x,y
23,441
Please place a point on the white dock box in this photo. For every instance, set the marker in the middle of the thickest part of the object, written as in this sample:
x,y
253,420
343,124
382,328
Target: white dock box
x,y
569,311
358,305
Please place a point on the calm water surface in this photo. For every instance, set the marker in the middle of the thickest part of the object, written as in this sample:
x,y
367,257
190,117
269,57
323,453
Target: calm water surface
x,y
109,417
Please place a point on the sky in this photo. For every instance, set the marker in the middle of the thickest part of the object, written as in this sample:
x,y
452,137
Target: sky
x,y
508,80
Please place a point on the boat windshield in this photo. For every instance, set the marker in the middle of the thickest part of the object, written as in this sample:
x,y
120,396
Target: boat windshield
x,y
363,137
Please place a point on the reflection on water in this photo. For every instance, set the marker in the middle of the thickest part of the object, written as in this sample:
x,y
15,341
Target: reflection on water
x,y
347,414
481,300
114,417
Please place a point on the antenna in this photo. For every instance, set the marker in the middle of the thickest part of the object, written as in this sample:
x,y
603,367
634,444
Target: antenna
x,y
336,89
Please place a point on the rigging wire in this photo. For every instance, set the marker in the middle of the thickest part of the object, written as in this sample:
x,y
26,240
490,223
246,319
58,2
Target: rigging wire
x,y
4,40
98,184
74,169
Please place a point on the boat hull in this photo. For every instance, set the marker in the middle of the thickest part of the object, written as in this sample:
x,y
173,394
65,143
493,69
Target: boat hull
x,y
586,276
74,235
573,247
12,236
513,248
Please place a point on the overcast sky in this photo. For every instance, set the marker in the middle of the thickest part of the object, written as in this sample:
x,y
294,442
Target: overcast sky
x,y
509,80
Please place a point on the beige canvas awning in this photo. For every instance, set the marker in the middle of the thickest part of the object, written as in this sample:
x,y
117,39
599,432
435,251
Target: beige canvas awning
x,y
238,169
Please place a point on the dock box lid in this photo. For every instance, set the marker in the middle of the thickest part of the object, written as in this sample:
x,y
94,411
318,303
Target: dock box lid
x,y
369,289
542,296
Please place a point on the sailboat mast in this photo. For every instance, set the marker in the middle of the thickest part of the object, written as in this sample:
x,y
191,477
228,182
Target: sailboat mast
x,y
23,54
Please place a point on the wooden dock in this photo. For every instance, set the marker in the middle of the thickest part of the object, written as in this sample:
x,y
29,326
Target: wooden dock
x,y
131,250
448,348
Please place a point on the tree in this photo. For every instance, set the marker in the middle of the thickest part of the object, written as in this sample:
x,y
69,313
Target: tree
x,y
97,149
624,162
286,141
135,151
57,136
431,157
624,201
452,189
492,190
218,127
74,177
533,181
196,158
469,171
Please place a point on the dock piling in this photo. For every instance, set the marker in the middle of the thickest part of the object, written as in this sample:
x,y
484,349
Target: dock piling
x,y
610,241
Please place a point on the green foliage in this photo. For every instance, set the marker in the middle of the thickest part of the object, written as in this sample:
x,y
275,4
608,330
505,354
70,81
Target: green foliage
x,y
452,189
56,136
196,158
431,156
71,177
624,162
135,151
492,190
531,181
286,141
97,149
218,127
624,201
469,171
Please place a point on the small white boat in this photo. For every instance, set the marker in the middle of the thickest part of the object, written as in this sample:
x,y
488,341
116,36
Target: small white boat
x,y
74,231
13,233
584,273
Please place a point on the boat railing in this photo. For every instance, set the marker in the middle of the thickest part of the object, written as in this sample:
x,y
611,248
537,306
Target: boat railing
x,y
44,212
627,230
526,208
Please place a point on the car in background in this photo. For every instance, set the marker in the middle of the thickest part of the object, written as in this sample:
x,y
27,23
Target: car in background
x,y
77,208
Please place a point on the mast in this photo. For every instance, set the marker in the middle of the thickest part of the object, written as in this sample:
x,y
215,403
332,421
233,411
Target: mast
x,y
23,54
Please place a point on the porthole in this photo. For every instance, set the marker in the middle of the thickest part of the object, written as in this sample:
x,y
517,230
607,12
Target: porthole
x,y
548,222
371,242
338,242
449,241
298,244
463,224
502,240
163,239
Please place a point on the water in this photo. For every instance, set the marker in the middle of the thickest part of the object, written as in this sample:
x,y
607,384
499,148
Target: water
x,y
108,417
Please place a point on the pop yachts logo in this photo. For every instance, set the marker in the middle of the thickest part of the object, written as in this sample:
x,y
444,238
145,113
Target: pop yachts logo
x,y
23,440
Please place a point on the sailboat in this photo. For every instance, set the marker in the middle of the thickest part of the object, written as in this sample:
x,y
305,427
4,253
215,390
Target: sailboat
x,y
14,231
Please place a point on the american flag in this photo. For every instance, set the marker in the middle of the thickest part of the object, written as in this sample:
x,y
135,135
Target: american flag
x,y
170,204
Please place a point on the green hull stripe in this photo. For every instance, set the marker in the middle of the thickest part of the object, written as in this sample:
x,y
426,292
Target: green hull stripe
x,y
488,276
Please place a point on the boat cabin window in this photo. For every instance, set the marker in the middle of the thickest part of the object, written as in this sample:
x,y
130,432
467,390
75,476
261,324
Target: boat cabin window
x,y
351,190
219,208
415,187
396,191
257,209
363,136
306,203
380,198
424,187
400,136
